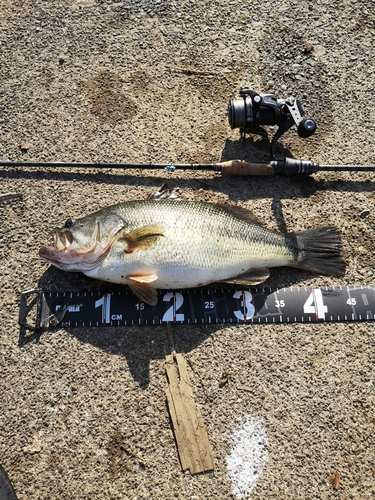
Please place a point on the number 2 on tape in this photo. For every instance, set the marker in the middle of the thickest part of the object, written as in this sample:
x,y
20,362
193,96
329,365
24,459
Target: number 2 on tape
x,y
177,301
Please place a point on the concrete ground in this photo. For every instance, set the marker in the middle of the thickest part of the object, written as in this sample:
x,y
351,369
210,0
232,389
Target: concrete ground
x,y
289,409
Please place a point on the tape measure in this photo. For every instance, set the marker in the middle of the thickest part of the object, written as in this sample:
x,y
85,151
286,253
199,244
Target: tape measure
x,y
39,309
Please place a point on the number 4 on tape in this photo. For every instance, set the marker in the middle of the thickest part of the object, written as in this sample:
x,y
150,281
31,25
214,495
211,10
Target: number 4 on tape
x,y
315,305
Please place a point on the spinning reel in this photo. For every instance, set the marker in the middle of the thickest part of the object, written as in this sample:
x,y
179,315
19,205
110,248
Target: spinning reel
x,y
252,110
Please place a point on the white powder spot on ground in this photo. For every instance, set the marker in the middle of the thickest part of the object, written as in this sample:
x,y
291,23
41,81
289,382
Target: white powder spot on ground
x,y
248,457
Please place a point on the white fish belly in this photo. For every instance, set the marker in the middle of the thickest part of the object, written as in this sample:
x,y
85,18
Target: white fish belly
x,y
176,261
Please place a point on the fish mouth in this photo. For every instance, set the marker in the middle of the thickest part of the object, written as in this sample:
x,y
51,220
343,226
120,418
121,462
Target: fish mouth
x,y
65,254
61,241
55,257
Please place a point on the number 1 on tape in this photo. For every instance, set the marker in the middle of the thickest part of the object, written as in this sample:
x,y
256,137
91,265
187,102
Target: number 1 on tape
x,y
105,303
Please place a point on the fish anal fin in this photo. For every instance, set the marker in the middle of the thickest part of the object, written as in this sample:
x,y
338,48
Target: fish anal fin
x,y
240,213
139,285
251,277
142,238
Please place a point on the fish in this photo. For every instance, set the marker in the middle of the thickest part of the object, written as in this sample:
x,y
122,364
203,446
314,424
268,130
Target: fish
x,y
176,244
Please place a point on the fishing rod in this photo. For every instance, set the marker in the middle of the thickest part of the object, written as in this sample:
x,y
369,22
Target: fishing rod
x,y
287,166
249,112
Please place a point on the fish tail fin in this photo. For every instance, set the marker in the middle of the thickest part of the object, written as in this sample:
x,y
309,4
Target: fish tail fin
x,y
319,250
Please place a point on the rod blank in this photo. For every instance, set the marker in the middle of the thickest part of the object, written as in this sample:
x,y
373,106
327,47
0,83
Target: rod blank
x,y
287,166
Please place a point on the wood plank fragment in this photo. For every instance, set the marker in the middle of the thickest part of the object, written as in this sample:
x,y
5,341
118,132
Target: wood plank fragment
x,y
10,196
336,480
190,432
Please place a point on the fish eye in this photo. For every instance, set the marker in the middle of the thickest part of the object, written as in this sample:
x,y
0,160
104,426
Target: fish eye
x,y
69,222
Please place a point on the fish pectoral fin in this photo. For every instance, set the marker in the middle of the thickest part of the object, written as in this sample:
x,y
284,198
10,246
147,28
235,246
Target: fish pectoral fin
x,y
142,238
139,285
251,277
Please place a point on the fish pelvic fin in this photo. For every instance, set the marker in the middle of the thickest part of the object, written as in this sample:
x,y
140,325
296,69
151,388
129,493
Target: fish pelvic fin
x,y
319,250
140,286
142,238
142,278
251,277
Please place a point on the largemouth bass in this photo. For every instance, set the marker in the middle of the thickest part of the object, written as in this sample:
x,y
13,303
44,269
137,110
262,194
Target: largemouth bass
x,y
169,244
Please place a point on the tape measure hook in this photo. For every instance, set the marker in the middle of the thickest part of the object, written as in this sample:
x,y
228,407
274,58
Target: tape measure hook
x,y
30,304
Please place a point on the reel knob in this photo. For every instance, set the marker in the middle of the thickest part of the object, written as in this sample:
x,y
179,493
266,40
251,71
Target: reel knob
x,y
306,128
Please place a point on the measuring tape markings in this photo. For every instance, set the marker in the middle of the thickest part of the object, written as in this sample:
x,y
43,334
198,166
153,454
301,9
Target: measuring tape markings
x,y
203,306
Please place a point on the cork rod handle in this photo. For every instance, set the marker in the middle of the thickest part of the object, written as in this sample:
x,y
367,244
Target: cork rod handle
x,y
239,167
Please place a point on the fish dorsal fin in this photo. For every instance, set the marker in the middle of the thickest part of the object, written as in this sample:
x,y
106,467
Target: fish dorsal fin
x,y
163,193
240,212
251,277
142,238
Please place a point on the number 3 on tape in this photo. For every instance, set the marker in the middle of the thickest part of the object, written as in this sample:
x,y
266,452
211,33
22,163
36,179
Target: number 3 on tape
x,y
248,308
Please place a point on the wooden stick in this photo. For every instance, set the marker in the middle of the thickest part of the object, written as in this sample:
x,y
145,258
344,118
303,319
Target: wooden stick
x,y
190,432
